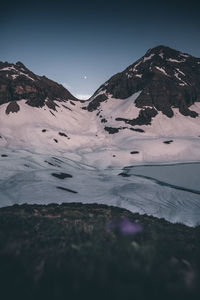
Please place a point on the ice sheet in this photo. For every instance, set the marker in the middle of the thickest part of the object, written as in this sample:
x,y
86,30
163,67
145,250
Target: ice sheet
x,y
27,178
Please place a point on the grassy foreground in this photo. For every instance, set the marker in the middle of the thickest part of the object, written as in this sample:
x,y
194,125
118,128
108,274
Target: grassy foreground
x,y
75,251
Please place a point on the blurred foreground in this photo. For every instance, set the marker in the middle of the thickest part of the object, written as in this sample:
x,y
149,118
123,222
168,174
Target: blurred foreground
x,y
76,251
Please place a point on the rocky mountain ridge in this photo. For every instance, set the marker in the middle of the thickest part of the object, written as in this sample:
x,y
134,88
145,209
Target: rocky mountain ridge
x,y
18,82
165,78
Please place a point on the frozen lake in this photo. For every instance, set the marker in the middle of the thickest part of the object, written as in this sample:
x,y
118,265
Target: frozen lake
x,y
183,175
165,191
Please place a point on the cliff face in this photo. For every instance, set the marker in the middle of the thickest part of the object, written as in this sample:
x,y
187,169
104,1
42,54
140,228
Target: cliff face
x,y
17,82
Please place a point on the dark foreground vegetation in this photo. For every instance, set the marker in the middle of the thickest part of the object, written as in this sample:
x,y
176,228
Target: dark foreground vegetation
x,y
76,251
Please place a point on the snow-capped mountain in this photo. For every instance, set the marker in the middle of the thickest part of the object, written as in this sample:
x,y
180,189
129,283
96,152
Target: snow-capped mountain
x,y
162,81
156,97
55,148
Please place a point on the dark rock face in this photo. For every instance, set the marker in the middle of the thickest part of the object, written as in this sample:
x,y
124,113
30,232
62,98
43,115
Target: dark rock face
x,y
144,118
66,107
61,175
166,78
137,129
168,142
111,130
103,120
51,104
96,102
12,107
17,82
62,134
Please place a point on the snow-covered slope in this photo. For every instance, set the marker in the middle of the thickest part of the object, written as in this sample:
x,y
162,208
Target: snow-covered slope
x,y
73,132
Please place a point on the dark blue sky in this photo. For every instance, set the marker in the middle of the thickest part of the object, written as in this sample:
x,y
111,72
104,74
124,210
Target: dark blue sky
x,y
82,43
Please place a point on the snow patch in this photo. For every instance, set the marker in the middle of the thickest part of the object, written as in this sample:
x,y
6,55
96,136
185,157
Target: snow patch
x,y
138,75
162,70
180,71
182,81
26,75
14,76
184,55
8,69
148,57
134,69
129,75
18,73
175,60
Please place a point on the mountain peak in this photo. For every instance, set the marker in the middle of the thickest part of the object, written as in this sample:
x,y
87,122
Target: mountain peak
x,y
20,64
165,52
160,48
165,78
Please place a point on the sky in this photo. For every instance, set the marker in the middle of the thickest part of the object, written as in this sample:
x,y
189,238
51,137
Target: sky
x,y
81,44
